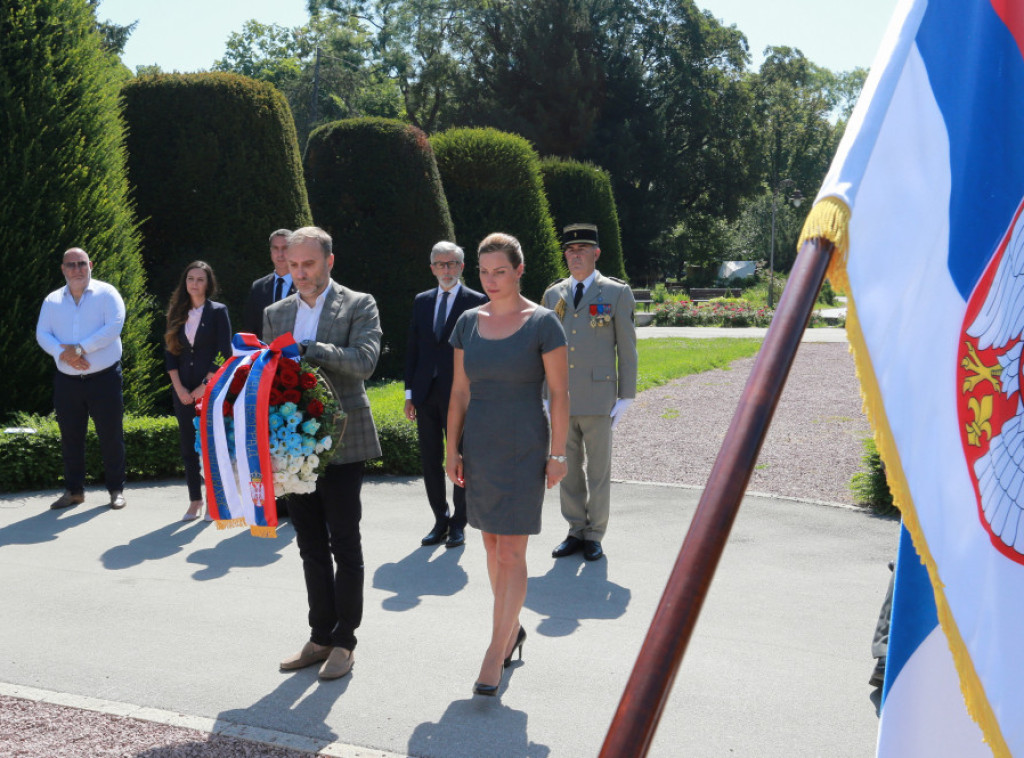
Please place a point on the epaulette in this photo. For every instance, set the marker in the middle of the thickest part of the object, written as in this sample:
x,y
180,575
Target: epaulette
x,y
615,279
559,280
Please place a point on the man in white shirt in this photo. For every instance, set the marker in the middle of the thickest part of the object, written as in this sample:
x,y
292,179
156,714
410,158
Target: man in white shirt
x,y
80,326
428,384
268,289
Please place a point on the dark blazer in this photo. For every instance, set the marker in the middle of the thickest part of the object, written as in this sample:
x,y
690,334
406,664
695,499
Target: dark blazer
x,y
424,354
212,337
261,294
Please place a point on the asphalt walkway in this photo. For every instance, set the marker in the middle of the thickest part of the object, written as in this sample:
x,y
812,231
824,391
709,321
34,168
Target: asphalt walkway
x,y
136,613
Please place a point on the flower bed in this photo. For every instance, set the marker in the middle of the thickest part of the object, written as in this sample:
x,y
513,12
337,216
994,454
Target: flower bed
x,y
711,313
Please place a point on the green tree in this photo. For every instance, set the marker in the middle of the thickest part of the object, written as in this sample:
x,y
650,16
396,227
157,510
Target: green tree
x,y
582,192
215,180
374,187
493,184
323,68
63,173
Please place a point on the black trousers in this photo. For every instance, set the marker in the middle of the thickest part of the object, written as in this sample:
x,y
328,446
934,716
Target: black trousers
x,y
187,440
327,532
432,424
76,398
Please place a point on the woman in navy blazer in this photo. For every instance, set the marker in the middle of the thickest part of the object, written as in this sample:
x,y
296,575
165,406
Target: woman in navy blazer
x,y
198,330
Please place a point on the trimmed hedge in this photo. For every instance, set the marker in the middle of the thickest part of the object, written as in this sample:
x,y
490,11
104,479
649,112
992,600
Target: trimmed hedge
x,y
374,187
33,461
62,169
214,162
582,193
493,184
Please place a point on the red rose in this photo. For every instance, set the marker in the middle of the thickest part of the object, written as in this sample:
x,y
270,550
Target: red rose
x,y
307,380
315,408
199,406
229,410
287,375
275,396
292,396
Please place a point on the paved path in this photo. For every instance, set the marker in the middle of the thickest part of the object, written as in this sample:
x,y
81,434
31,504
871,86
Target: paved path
x,y
136,613
823,334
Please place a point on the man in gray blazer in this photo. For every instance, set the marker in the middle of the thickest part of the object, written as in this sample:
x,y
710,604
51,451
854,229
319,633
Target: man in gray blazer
x,y
338,330
597,314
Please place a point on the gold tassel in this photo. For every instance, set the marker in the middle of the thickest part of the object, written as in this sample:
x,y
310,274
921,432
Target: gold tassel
x,y
230,523
263,531
830,219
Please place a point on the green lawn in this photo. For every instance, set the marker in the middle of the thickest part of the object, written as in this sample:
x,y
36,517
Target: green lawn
x,y
662,360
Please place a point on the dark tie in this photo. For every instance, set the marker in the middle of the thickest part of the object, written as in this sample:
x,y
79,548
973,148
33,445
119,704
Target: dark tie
x,y
578,296
277,288
442,315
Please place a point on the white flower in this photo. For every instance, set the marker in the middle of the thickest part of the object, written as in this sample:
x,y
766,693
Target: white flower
x,y
327,442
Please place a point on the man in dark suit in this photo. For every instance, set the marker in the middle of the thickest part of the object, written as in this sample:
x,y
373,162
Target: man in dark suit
x,y
270,288
338,330
428,383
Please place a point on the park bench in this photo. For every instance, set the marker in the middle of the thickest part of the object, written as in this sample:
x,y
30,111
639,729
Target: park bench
x,y
643,298
709,293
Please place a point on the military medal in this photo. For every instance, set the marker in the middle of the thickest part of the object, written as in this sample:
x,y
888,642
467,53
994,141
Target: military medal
x,y
600,313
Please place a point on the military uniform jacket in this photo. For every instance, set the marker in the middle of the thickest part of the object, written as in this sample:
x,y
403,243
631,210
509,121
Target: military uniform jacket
x,y
602,343
347,348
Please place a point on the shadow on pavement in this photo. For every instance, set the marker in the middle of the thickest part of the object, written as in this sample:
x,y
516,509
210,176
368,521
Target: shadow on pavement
x,y
420,573
573,590
241,551
481,727
299,705
160,543
45,526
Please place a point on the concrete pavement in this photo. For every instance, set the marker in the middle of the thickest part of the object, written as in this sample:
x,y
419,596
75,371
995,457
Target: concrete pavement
x,y
821,334
157,618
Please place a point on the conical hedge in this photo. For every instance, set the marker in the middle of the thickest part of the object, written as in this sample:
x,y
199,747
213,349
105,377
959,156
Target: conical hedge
x,y
493,184
214,163
373,186
62,173
582,193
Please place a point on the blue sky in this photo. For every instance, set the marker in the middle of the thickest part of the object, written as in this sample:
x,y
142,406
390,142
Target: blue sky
x,y
189,35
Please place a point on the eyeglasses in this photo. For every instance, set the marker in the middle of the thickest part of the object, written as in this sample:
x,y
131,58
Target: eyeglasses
x,y
446,264
76,264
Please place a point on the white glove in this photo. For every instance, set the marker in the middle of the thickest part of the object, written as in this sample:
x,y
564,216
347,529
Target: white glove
x,y
619,409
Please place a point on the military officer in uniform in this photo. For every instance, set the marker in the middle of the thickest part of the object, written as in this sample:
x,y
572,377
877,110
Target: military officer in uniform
x,y
597,314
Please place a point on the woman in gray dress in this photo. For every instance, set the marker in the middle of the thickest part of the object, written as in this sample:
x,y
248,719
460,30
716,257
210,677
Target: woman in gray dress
x,y
505,350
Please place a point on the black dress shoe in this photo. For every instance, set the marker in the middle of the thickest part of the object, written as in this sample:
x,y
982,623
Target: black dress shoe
x,y
436,534
456,537
570,546
592,550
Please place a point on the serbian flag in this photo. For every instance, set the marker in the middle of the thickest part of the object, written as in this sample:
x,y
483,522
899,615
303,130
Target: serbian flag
x,y
923,203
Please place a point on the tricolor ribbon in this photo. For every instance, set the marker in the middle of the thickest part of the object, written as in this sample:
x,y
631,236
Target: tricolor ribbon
x,y
242,493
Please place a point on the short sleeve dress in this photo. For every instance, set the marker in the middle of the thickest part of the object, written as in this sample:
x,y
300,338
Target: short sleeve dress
x,y
505,440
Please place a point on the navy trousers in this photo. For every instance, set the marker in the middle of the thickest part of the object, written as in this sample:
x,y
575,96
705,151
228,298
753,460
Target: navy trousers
x,y
327,532
76,399
432,424
187,440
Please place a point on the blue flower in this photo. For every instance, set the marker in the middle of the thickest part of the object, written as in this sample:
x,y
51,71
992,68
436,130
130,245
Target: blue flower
x,y
311,426
276,421
287,409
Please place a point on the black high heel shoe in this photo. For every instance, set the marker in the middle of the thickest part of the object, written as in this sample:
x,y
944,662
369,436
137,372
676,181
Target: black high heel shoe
x,y
488,689
520,639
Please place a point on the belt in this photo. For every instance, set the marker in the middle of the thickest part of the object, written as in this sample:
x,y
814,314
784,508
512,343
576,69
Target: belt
x,y
94,374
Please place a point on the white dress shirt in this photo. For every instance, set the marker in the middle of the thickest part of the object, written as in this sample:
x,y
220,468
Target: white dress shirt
x,y
586,282
307,318
451,301
94,322
195,315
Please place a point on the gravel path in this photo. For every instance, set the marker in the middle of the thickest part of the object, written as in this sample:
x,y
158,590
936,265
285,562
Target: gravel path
x,y
671,434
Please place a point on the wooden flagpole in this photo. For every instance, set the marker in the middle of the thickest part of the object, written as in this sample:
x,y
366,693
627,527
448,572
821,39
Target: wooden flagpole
x,y
650,683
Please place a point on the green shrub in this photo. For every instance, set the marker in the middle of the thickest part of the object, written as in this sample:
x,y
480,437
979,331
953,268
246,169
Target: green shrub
x,y
582,193
870,487
493,184
399,440
33,461
827,295
214,163
719,312
373,185
62,168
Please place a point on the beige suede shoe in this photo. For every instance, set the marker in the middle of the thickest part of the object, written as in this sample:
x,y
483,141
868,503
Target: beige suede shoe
x,y
311,653
338,663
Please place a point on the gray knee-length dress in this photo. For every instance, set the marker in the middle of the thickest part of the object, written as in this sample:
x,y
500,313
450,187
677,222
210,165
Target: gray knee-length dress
x,y
505,437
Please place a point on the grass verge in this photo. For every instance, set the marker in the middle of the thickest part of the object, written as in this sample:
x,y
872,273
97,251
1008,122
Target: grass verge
x,y
665,359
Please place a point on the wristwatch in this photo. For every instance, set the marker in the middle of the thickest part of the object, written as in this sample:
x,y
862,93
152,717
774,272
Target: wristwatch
x,y
79,351
557,458
304,346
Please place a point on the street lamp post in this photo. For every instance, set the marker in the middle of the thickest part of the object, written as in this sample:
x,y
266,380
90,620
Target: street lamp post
x,y
796,198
